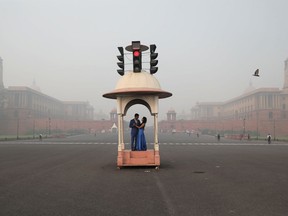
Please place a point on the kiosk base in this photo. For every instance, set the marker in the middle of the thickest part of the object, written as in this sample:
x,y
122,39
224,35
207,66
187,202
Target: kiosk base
x,y
138,158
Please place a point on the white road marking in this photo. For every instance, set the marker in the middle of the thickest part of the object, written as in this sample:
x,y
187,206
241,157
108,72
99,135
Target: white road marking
x,y
111,143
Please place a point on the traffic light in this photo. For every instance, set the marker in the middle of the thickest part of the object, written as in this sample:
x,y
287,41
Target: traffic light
x,y
137,56
121,59
153,60
137,65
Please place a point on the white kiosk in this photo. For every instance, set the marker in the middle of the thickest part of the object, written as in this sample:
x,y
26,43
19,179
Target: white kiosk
x,y
137,88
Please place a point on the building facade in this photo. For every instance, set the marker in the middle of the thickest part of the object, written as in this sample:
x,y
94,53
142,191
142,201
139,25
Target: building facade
x,y
26,110
257,111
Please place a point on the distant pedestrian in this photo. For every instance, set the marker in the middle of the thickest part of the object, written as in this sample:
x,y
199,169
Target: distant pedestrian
x,y
40,137
218,137
269,138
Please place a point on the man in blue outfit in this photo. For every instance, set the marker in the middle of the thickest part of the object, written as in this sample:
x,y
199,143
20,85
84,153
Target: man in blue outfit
x,y
134,130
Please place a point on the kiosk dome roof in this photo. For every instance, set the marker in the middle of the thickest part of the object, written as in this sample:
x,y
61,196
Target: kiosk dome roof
x,y
140,83
138,80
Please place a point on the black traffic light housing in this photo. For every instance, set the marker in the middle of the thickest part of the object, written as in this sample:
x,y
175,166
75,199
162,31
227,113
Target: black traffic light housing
x,y
121,61
153,59
137,48
137,56
137,61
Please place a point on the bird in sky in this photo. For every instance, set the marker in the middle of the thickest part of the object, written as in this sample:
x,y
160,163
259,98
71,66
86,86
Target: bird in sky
x,y
256,73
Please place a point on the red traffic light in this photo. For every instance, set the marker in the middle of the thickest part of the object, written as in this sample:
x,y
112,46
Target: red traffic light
x,y
136,53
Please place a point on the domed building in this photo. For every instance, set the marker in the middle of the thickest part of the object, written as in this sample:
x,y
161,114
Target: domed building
x,y
26,110
256,112
35,87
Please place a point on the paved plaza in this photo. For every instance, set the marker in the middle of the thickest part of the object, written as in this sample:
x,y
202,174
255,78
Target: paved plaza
x,y
198,176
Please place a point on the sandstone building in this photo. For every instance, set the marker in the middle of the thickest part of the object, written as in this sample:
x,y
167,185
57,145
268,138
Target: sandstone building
x,y
26,110
257,111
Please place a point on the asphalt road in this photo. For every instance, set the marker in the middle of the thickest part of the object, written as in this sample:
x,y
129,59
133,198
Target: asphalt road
x,y
198,176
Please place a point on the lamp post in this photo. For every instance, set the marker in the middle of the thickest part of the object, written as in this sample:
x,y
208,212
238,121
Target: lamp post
x,y
274,129
33,124
244,119
257,123
33,128
17,127
16,115
49,126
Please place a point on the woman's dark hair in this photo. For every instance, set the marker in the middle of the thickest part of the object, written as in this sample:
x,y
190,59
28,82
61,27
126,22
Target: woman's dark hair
x,y
144,120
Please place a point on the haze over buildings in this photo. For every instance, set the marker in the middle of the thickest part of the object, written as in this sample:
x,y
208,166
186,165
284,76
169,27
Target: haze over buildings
x,y
208,49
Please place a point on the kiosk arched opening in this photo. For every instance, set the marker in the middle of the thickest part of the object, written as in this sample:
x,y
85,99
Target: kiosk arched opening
x,y
137,102
126,157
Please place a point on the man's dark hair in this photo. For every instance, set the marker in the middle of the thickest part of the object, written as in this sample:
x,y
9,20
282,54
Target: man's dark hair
x,y
136,115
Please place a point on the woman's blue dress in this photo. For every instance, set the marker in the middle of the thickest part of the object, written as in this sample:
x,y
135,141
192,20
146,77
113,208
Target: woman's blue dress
x,y
141,141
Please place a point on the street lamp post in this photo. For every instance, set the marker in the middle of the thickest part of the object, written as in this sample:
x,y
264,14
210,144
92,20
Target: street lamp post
x,y
17,128
16,115
274,130
33,128
244,127
257,124
49,125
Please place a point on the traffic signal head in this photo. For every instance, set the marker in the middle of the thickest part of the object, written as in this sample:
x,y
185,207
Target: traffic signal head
x,y
137,56
137,64
121,61
153,59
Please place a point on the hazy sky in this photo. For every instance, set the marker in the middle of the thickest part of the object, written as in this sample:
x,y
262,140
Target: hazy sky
x,y
208,49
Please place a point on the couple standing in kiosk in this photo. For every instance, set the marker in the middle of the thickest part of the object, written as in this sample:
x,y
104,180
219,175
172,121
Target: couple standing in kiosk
x,y
138,141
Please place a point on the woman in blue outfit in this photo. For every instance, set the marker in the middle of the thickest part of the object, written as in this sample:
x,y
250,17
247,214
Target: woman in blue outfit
x,y
141,141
